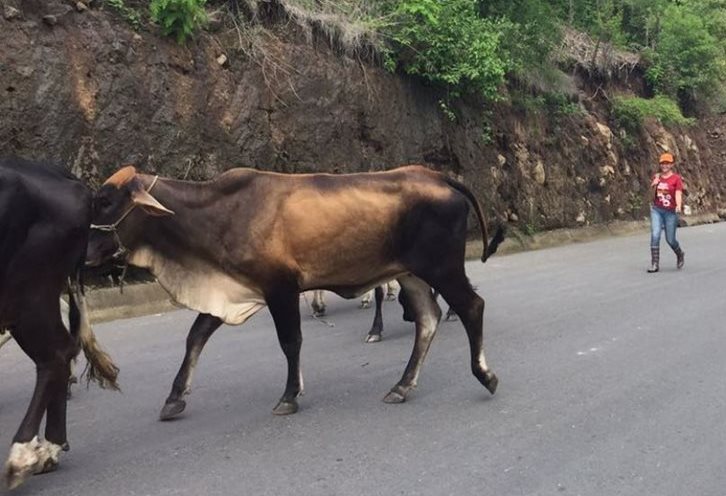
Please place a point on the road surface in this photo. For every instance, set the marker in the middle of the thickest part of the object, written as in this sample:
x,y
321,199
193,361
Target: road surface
x,y
612,382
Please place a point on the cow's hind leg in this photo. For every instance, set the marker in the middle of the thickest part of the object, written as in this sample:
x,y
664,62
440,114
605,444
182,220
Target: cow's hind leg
x,y
203,327
427,315
55,425
374,335
469,306
285,312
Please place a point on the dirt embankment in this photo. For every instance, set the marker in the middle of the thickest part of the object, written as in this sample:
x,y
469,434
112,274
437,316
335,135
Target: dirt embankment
x,y
83,87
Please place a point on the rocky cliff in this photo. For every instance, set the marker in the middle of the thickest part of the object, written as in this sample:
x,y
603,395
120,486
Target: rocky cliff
x,y
79,85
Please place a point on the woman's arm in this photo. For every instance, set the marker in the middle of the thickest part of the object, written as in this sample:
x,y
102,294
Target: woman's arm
x,y
679,200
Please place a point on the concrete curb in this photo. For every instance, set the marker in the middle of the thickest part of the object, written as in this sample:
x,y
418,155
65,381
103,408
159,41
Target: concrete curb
x,y
148,298
107,304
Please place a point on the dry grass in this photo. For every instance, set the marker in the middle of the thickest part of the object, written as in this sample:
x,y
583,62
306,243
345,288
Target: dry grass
x,y
349,26
593,55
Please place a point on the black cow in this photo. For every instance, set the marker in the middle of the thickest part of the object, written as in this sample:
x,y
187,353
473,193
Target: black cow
x,y
45,215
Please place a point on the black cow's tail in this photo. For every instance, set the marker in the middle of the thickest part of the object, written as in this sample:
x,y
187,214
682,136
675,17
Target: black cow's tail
x,y
100,368
490,247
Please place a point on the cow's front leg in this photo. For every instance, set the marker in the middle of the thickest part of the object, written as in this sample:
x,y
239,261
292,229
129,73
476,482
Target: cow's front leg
x,y
29,455
285,312
203,327
427,315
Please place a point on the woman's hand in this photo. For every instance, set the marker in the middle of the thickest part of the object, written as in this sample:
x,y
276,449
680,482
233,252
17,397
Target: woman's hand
x,y
655,180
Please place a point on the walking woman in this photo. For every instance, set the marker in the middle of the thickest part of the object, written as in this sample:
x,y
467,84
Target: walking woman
x,y
667,187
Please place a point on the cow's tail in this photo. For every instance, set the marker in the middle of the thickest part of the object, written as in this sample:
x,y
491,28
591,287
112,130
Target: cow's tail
x,y
100,368
490,247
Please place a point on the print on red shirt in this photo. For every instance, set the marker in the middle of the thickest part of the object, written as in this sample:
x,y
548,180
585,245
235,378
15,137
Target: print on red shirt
x,y
665,192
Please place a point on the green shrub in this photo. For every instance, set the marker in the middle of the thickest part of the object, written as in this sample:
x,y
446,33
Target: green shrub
x,y
448,43
687,57
179,18
630,112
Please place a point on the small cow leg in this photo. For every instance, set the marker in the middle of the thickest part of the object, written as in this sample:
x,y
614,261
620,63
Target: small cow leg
x,y
427,317
391,287
203,327
365,301
469,306
374,335
318,303
286,315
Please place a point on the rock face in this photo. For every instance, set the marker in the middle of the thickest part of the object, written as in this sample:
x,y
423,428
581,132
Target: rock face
x,y
95,94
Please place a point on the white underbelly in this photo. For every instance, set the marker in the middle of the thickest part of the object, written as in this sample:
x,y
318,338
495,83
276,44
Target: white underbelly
x,y
203,288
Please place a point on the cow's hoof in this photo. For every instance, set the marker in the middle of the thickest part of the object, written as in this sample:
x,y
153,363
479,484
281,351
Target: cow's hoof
x,y
394,396
50,465
285,408
319,313
491,381
171,409
14,476
34,457
451,317
373,338
365,304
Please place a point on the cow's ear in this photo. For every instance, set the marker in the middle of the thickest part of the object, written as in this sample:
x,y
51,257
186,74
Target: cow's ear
x,y
151,205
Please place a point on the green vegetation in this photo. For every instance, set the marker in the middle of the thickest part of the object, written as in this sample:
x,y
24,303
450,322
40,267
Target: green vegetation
x,y
630,112
476,46
491,47
448,43
179,18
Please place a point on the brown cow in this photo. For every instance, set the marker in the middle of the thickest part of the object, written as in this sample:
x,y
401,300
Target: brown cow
x,y
230,246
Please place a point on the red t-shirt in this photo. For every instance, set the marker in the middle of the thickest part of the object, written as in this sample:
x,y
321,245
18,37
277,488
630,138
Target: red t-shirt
x,y
665,191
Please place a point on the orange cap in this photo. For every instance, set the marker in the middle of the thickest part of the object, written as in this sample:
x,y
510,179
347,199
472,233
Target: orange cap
x,y
666,158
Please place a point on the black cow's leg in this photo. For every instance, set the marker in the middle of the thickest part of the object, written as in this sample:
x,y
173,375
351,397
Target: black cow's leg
x,y
374,335
29,455
285,311
55,427
203,327
469,306
427,316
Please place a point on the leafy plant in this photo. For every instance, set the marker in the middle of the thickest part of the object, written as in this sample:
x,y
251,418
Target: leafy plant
x,y
179,18
630,112
448,43
687,56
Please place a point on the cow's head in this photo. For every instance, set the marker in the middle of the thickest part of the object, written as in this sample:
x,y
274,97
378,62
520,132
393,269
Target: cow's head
x,y
117,223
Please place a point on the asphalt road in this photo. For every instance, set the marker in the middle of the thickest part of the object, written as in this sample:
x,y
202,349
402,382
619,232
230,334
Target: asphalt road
x,y
612,382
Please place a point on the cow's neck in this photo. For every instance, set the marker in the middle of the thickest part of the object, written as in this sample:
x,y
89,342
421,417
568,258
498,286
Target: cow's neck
x,y
184,253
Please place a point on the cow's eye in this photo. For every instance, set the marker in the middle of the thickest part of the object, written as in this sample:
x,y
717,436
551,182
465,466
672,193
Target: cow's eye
x,y
102,203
